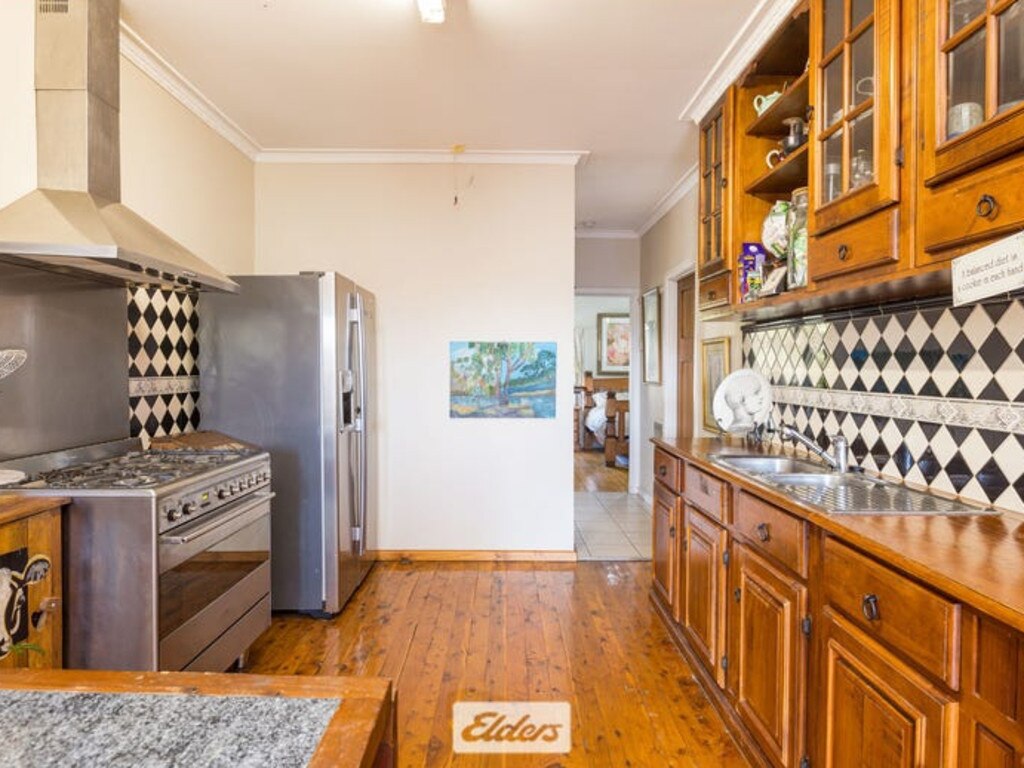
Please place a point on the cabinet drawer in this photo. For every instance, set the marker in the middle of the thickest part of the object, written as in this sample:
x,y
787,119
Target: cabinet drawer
x,y
914,621
707,493
870,242
776,533
668,470
971,210
714,292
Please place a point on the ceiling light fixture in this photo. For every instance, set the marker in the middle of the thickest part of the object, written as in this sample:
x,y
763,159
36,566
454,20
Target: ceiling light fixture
x,y
431,11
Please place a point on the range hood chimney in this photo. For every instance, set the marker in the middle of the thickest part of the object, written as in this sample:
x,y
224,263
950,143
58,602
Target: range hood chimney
x,y
75,222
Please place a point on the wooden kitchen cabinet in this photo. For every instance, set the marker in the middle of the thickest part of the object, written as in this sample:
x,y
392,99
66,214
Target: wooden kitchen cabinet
x,y
664,552
991,733
704,561
30,583
972,133
876,711
715,246
855,143
768,654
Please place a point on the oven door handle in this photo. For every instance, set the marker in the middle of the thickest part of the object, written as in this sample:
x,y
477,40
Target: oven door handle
x,y
202,530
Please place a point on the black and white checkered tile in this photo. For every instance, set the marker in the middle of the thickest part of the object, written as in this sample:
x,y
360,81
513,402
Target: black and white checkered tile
x,y
163,363
931,394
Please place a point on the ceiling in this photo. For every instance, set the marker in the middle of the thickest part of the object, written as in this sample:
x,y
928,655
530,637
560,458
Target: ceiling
x,y
607,77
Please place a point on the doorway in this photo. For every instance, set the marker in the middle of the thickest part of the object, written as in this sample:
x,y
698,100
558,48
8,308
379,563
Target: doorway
x,y
686,339
610,523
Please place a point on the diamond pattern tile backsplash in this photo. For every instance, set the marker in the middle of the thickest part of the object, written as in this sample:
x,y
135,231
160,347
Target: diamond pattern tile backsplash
x,y
929,393
163,363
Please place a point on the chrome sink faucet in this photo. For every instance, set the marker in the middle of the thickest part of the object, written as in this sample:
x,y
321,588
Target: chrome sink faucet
x,y
840,462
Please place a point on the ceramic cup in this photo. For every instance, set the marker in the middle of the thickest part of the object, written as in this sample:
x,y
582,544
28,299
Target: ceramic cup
x,y
763,101
865,87
774,157
962,117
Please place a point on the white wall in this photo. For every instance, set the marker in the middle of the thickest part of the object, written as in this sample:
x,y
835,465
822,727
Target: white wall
x,y
17,101
175,170
183,177
606,263
668,251
500,266
587,310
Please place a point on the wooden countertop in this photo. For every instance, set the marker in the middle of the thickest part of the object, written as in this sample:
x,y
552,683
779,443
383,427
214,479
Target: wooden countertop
x,y
976,559
13,507
360,726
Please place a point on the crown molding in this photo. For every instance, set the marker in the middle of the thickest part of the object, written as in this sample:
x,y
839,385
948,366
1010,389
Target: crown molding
x,y
158,69
416,157
687,182
764,20
606,234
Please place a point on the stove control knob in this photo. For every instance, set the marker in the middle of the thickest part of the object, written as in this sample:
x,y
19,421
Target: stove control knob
x,y
188,507
234,488
174,514
223,493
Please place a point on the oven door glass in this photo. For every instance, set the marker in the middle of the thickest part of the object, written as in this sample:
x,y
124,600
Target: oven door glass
x,y
212,572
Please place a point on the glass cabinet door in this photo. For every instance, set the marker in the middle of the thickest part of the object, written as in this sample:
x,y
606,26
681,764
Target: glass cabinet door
x,y
856,123
713,154
978,84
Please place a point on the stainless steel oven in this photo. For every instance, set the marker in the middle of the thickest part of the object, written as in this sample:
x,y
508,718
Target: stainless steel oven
x,y
166,553
212,574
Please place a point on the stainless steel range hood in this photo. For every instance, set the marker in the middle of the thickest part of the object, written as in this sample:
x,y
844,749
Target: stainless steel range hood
x,y
74,222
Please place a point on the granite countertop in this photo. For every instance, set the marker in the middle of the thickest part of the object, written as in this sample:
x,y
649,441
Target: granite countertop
x,y
56,728
156,719
977,559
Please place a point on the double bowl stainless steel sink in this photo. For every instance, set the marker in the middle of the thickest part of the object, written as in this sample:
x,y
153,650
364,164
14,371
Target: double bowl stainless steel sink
x,y
847,493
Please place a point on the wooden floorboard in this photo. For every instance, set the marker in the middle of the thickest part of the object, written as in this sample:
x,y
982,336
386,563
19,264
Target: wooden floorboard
x,y
591,474
584,633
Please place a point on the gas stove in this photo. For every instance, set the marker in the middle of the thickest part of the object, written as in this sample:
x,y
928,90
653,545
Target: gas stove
x,y
135,469
166,552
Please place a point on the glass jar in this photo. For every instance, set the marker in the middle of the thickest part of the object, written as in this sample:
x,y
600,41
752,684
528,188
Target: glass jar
x,y
796,276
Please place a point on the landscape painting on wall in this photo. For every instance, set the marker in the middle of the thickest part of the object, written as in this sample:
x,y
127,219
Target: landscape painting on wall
x,y
503,379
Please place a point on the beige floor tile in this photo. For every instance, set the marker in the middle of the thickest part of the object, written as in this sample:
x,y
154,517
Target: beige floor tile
x,y
600,526
605,537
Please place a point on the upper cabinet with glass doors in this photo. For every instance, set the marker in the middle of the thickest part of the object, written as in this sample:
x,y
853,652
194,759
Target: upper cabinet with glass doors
x,y
972,133
715,255
855,87
972,84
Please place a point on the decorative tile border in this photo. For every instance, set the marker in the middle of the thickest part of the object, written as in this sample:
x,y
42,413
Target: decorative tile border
x,y
973,414
162,385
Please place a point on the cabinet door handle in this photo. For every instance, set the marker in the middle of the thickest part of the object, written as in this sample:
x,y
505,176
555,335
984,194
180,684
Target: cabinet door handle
x,y
986,206
869,607
762,532
704,486
672,532
712,295
736,594
662,470
724,182
844,252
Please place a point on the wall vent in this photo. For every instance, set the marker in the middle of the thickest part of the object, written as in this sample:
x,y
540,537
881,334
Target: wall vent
x,y
53,6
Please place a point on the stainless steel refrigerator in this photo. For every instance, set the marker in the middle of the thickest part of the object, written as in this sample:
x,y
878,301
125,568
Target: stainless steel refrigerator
x,y
288,364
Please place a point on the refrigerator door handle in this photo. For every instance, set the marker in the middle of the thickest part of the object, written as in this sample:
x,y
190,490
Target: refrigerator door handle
x,y
355,314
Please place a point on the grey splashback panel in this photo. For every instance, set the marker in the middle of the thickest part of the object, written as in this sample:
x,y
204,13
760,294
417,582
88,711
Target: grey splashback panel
x,y
71,391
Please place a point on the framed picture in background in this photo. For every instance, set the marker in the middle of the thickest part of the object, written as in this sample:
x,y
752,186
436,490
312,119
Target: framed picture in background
x,y
613,340
652,336
714,366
